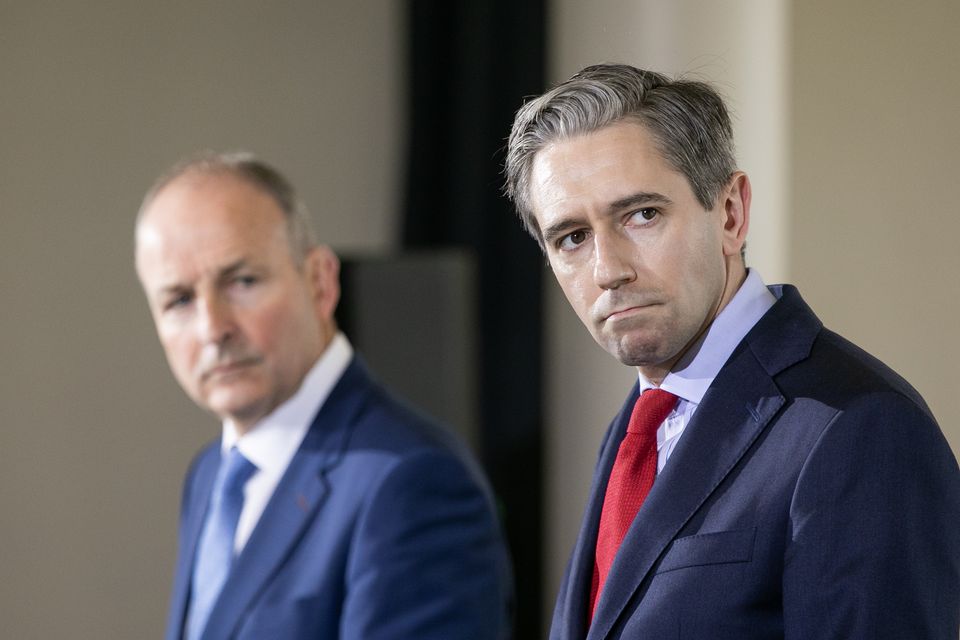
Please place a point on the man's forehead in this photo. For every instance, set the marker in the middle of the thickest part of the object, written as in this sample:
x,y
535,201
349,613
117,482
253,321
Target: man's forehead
x,y
194,191
612,163
194,227
198,199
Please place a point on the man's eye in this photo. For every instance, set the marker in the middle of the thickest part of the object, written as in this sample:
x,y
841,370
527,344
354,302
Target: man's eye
x,y
177,302
572,240
246,281
645,215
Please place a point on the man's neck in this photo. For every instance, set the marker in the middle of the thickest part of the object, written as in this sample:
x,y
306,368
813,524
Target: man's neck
x,y
736,274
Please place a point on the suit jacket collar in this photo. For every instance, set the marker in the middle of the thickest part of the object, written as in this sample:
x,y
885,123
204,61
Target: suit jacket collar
x,y
735,410
292,507
195,500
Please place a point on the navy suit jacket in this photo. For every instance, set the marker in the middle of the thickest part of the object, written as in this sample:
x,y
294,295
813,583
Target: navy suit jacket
x,y
812,496
381,528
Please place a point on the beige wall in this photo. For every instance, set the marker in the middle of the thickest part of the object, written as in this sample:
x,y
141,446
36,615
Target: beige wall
x,y
846,120
98,97
875,137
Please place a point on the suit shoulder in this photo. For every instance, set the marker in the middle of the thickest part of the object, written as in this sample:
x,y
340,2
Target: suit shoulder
x,y
366,427
390,422
840,373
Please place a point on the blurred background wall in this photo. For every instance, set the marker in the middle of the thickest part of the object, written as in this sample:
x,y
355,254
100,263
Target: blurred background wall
x,y
846,121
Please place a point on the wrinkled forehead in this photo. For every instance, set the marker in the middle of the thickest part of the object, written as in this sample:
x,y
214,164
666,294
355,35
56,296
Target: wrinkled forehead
x,y
205,220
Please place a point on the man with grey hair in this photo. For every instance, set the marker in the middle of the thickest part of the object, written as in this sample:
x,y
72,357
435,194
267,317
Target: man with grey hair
x,y
326,509
765,478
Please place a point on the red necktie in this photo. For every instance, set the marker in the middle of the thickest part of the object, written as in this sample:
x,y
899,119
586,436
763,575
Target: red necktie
x,y
630,481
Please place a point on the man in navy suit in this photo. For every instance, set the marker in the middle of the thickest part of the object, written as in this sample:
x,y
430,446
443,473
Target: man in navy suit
x,y
327,509
772,480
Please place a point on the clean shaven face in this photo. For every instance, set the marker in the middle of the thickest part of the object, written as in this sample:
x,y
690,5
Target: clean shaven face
x,y
241,324
644,265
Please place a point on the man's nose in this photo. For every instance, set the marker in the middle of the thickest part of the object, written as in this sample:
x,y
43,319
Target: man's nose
x,y
613,266
215,321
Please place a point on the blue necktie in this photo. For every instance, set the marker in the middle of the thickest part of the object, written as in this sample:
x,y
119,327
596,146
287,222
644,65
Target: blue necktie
x,y
215,550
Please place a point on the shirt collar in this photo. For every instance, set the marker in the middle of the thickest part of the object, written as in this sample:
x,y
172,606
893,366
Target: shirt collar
x,y
694,372
271,443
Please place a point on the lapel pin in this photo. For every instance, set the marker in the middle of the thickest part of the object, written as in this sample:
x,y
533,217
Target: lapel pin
x,y
302,502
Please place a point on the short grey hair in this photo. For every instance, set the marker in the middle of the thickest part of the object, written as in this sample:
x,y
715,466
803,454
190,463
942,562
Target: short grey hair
x,y
257,173
687,119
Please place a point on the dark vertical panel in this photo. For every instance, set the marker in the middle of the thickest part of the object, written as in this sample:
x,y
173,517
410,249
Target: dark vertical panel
x,y
471,65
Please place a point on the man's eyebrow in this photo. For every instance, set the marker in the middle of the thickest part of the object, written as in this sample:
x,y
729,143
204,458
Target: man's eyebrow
x,y
173,289
176,288
639,198
232,268
558,229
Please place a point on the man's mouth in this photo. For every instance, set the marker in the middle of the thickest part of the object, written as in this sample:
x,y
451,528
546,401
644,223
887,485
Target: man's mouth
x,y
228,368
626,312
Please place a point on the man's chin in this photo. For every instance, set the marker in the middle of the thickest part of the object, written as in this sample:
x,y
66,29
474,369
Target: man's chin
x,y
234,404
635,351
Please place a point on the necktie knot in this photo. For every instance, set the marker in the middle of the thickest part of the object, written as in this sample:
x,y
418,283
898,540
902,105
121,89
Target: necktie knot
x,y
651,409
236,471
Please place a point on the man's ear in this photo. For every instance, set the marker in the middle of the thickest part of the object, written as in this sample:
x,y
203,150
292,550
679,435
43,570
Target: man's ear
x,y
323,272
735,200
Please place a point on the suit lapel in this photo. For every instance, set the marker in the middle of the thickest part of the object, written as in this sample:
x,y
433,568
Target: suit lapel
x,y
294,504
201,485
